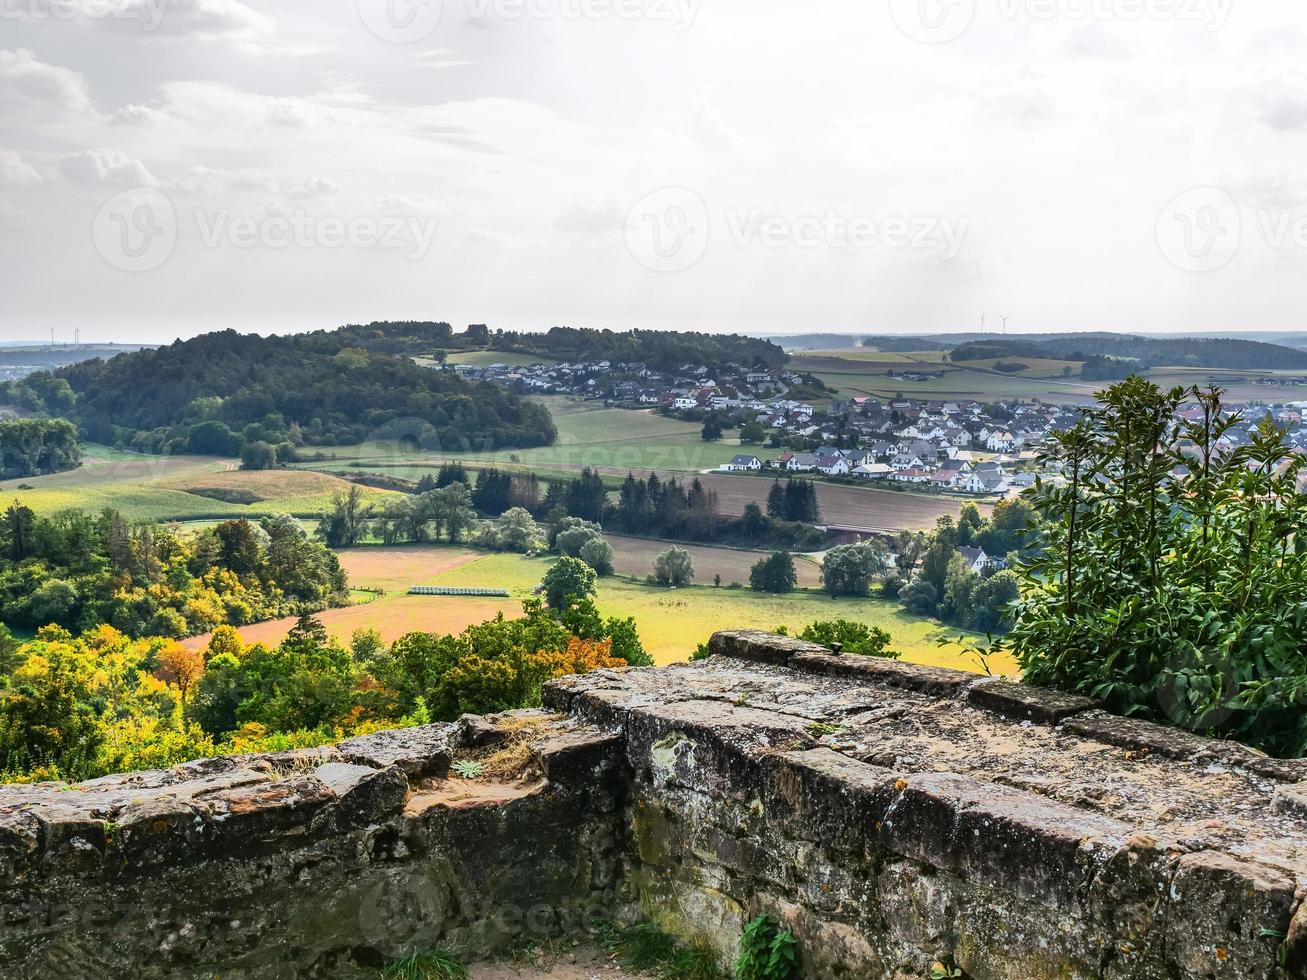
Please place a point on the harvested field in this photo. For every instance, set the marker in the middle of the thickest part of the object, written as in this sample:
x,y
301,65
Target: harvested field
x,y
854,506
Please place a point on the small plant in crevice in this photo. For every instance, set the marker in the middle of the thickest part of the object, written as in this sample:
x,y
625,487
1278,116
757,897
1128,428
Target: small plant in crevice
x,y
433,964
944,970
767,952
468,768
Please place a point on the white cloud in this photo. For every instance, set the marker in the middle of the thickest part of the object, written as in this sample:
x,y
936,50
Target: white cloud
x,y
105,167
1280,99
15,172
28,83
314,186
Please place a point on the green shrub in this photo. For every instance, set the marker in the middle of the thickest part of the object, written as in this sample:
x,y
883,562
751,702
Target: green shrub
x,y
767,952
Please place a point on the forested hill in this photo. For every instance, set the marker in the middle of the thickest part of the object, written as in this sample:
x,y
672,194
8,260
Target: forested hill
x,y
1146,352
664,350
221,393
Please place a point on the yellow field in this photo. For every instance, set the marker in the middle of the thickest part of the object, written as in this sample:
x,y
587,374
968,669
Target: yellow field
x,y
672,622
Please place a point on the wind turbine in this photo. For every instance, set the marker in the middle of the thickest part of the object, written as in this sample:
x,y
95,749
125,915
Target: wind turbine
x,y
1005,320
982,323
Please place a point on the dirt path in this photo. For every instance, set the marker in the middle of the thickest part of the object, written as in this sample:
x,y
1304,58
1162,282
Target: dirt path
x,y
583,964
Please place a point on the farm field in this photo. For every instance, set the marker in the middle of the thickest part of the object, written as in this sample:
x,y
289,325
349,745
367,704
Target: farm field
x,y
484,358
164,488
846,505
614,441
671,622
869,375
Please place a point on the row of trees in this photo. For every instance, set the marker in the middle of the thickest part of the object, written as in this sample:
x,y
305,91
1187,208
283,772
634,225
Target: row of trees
x,y
80,570
35,447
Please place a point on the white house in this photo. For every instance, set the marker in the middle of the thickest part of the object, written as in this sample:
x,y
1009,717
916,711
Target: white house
x,y
833,466
743,464
1001,441
873,471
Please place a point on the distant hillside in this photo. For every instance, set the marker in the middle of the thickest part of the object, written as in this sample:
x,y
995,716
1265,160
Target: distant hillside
x,y
664,350
19,360
659,349
817,341
222,393
1139,352
900,345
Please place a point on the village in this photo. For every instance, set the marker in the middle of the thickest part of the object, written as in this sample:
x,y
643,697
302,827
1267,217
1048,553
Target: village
x,y
966,448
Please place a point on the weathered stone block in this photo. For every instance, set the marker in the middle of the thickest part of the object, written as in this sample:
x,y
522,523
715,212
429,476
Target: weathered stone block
x,y
364,795
1027,703
1229,917
420,752
759,646
937,681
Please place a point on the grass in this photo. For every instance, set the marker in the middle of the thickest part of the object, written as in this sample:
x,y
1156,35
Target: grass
x,y
182,488
646,948
430,965
611,440
484,358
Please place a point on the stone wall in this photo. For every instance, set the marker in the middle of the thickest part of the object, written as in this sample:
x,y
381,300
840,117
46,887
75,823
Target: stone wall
x,y
889,815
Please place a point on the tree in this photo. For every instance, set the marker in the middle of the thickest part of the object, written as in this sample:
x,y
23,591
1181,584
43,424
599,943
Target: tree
x,y
1006,530
753,434
568,578
180,667
969,524
755,523
258,456
451,509
774,574
1172,570
674,568
942,549
991,601
776,503
517,530
960,584
35,447
712,429
849,569
910,547
213,438
345,526
598,554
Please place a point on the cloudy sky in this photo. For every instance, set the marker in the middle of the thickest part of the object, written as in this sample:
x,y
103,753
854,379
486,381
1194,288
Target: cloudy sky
x,y
174,166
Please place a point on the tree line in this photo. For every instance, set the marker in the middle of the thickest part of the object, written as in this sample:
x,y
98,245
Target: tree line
x,y
36,447
78,570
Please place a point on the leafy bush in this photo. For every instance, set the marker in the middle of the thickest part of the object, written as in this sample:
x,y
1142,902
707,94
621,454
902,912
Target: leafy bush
x,y
767,952
1173,580
869,641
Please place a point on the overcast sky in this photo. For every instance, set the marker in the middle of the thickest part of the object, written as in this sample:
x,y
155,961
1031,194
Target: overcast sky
x,y
168,168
